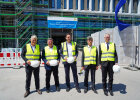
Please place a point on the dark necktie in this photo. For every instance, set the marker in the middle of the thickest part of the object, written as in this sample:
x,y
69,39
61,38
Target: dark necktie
x,y
107,46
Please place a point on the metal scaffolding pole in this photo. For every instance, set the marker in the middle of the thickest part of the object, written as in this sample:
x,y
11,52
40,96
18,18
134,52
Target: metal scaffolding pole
x,y
138,6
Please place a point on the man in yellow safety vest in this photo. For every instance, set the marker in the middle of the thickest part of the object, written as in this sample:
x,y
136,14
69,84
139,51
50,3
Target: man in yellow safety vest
x,y
89,63
107,58
31,52
49,53
69,49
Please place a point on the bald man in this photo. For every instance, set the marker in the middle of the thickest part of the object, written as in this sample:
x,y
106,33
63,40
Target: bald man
x,y
107,58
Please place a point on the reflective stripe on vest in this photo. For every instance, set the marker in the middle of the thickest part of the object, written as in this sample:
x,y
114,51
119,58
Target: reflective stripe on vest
x,y
90,57
107,55
30,55
51,55
64,47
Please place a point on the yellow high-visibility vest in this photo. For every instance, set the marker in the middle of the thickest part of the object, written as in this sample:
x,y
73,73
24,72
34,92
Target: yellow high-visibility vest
x,y
51,55
30,55
90,57
65,53
108,55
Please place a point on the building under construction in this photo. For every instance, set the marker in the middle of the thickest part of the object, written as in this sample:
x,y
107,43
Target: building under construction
x,y
19,19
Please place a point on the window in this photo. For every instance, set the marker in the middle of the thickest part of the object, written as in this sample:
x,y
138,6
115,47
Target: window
x,y
70,4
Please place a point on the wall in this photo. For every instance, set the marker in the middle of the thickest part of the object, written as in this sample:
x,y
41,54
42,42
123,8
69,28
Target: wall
x,y
127,43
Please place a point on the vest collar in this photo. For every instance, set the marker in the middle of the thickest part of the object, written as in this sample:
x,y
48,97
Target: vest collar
x,y
51,48
32,46
89,46
68,43
108,42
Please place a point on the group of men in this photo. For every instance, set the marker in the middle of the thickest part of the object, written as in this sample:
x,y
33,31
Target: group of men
x,y
90,62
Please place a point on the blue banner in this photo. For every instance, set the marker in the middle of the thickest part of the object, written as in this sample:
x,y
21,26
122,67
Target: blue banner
x,y
121,25
62,22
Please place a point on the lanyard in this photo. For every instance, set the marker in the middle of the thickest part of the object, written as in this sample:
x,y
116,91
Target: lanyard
x,y
32,48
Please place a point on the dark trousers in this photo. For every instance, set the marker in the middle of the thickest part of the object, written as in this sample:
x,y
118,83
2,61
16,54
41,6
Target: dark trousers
x,y
53,69
29,71
107,68
67,74
92,69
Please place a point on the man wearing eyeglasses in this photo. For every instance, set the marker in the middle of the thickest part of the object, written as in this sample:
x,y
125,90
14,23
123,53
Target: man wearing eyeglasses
x,y
107,58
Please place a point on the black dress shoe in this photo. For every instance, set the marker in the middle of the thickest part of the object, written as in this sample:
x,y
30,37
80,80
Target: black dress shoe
x,y
86,90
26,94
105,92
111,93
78,90
57,88
47,90
68,89
94,90
39,92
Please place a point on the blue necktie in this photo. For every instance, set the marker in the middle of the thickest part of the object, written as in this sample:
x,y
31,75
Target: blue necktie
x,y
107,46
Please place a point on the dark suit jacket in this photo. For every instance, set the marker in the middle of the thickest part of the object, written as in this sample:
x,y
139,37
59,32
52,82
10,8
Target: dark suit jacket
x,y
61,52
104,63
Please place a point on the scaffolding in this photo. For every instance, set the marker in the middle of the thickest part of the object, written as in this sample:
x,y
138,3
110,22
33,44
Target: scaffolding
x,y
19,19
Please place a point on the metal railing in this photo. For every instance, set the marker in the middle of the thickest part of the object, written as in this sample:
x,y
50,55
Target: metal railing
x,y
23,32
24,40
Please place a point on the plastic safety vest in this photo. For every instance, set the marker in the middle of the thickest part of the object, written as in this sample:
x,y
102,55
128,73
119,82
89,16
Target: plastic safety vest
x,y
30,55
51,55
89,57
107,55
65,53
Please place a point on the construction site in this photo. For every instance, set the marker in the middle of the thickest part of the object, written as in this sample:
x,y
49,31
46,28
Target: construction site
x,y
20,19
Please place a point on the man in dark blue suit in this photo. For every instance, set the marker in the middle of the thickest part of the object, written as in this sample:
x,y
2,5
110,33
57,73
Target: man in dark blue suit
x,y
107,58
49,53
69,49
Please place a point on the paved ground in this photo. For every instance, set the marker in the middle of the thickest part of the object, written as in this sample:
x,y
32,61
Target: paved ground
x,y
12,82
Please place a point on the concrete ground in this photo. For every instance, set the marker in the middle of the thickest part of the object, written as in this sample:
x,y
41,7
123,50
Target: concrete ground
x,y
12,86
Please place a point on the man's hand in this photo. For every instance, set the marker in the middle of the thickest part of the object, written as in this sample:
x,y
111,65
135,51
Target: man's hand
x,y
47,63
65,58
82,68
28,62
100,66
58,62
96,67
75,57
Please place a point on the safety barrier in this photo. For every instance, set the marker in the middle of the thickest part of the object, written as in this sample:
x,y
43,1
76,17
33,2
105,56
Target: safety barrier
x,y
11,59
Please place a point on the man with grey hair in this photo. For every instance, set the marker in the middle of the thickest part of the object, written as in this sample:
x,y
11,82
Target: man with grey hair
x,y
107,58
89,63
31,52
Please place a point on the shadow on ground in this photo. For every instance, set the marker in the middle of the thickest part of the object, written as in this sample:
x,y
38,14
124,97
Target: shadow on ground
x,y
116,87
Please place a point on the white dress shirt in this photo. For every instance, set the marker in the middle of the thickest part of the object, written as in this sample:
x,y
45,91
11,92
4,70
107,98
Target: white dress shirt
x,y
51,49
89,48
106,44
69,46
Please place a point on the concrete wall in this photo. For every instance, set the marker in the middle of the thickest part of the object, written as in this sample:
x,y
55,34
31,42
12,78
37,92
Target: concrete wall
x,y
138,48
127,43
